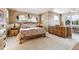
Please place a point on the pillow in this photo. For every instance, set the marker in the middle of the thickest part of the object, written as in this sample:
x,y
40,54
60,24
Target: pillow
x,y
25,26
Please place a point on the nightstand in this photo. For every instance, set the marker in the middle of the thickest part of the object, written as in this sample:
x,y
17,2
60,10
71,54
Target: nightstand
x,y
13,31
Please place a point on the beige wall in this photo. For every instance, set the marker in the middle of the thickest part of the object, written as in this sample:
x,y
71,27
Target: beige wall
x,y
14,13
51,20
12,16
44,20
47,17
61,20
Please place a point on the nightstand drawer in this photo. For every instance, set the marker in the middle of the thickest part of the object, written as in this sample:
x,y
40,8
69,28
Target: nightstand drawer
x,y
2,46
16,32
13,31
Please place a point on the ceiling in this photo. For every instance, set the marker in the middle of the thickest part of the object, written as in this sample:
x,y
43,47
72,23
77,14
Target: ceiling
x,y
43,10
65,10
33,10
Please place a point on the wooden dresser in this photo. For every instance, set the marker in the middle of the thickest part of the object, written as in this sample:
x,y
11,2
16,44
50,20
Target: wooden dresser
x,y
3,28
60,31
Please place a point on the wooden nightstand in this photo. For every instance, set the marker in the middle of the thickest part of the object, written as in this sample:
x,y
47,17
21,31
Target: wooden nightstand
x,y
13,31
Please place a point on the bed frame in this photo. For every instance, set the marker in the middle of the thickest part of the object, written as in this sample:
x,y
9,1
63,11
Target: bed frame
x,y
23,39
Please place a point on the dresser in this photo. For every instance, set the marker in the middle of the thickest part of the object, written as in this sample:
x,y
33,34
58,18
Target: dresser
x,y
2,42
3,28
2,36
60,31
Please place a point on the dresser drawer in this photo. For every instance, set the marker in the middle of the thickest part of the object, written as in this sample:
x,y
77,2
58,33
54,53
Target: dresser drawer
x,y
2,47
2,42
3,37
61,31
13,32
16,32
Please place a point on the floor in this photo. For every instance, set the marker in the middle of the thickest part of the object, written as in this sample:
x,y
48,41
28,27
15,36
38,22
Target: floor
x,y
51,42
75,36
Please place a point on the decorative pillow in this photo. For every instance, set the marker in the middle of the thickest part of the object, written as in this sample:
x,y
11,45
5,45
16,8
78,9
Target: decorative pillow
x,y
25,26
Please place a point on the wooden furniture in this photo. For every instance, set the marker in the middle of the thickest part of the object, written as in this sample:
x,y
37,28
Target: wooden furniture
x,y
2,42
2,28
60,31
23,39
13,31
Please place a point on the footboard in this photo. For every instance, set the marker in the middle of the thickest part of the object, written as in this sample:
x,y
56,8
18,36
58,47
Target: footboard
x,y
30,34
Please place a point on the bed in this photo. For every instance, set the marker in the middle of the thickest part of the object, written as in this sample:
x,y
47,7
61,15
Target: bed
x,y
29,33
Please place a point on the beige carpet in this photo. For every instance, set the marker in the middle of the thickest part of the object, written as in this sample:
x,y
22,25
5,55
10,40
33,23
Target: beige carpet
x,y
51,42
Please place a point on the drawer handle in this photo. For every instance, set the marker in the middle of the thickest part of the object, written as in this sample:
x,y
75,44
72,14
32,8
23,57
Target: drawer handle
x,y
4,38
4,45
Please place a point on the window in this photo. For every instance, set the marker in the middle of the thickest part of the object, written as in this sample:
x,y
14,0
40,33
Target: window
x,y
68,20
72,20
75,19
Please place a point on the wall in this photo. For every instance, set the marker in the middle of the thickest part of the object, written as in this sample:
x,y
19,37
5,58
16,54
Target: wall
x,y
62,21
48,20
51,21
44,20
13,14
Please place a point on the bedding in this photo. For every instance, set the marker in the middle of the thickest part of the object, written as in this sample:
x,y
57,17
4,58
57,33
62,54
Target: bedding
x,y
25,26
30,32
